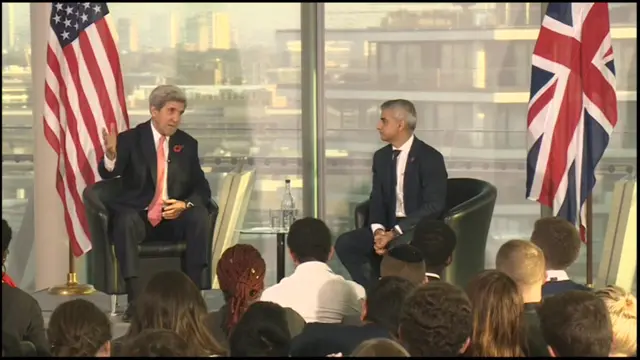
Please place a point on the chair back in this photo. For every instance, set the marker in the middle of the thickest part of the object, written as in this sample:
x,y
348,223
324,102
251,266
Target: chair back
x,y
470,204
235,193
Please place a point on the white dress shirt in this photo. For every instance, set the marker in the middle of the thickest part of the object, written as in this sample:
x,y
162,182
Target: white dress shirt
x,y
401,165
317,294
557,275
111,164
433,275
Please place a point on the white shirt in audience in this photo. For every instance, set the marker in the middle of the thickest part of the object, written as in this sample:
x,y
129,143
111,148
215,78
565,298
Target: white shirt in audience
x,y
317,293
557,275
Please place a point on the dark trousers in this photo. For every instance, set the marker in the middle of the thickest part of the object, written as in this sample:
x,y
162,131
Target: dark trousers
x,y
131,227
356,252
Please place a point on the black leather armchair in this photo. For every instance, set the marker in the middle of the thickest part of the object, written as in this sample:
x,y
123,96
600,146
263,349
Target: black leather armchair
x,y
102,266
468,212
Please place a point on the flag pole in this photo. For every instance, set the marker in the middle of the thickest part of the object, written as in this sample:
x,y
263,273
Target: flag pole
x,y
72,287
589,240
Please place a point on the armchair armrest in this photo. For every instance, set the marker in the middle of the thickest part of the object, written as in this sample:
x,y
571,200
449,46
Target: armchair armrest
x,y
96,195
101,259
361,214
481,200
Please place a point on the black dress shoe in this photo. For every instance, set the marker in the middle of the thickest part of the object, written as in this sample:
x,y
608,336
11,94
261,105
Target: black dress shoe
x,y
128,313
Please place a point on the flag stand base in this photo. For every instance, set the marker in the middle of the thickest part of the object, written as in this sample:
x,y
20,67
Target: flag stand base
x,y
72,287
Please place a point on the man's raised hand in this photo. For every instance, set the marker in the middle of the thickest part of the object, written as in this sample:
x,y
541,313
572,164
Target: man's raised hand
x,y
110,139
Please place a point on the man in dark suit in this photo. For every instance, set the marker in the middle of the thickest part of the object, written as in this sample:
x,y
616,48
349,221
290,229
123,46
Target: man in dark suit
x,y
409,183
166,192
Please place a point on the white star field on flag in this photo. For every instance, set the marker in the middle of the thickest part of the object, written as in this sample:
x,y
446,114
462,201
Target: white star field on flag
x,y
70,19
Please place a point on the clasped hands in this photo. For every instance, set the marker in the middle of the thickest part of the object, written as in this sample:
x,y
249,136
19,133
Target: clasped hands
x,y
172,208
381,239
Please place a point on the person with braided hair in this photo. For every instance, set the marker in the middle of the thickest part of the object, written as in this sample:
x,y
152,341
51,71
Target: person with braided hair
x,y
241,271
78,328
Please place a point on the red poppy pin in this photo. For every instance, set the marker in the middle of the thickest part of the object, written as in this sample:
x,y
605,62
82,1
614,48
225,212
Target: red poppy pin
x,y
177,148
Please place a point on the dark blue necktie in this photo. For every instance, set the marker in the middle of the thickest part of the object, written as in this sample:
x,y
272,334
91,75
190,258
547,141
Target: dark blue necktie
x,y
394,178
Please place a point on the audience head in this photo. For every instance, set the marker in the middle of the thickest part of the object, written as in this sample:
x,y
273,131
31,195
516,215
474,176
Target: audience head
x,y
397,119
380,348
559,241
576,323
157,343
171,301
623,311
497,308
309,239
78,328
240,272
262,331
404,261
384,302
6,240
524,263
436,241
436,321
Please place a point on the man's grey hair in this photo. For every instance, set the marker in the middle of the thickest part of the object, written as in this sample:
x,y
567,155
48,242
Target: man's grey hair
x,y
163,94
405,111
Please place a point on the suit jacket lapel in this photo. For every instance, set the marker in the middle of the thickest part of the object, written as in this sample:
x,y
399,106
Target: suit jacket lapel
x,y
149,150
388,162
409,171
171,161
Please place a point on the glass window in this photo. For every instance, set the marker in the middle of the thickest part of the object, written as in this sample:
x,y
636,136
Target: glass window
x,y
621,156
17,129
477,130
222,55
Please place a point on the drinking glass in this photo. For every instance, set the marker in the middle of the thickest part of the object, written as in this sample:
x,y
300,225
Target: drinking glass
x,y
275,218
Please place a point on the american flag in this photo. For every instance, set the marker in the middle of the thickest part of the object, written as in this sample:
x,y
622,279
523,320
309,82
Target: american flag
x,y
573,107
83,95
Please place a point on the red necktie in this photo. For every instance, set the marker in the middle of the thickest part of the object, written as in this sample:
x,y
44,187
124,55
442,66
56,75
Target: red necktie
x,y
155,208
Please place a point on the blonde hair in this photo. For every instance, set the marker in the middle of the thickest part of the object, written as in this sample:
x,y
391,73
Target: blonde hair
x,y
380,348
523,261
622,307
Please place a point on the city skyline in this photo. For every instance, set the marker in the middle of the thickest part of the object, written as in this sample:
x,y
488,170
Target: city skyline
x,y
467,73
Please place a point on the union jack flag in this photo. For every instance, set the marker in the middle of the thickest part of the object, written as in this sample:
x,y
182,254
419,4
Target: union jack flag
x,y
572,108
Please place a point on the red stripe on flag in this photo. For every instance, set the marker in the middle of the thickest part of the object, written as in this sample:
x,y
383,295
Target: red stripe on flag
x,y
53,139
540,103
87,116
101,90
112,54
569,117
81,160
69,120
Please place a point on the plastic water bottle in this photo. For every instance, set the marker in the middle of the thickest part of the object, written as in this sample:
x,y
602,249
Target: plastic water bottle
x,y
287,206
